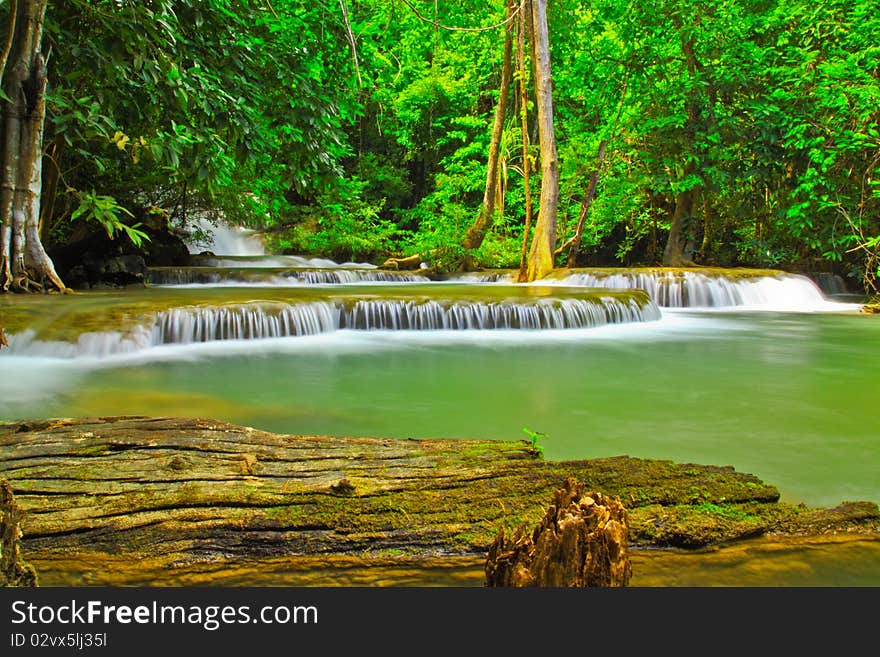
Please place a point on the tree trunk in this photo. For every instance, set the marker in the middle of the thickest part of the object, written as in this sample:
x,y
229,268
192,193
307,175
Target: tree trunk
x,y
544,240
673,254
50,187
477,232
589,197
524,127
24,264
708,230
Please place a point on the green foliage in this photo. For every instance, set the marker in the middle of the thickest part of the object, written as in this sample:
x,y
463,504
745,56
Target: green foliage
x,y
345,228
105,211
765,112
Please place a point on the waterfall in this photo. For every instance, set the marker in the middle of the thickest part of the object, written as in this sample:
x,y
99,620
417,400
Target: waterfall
x,y
223,239
276,261
182,326
255,277
542,314
249,322
257,321
691,289
337,276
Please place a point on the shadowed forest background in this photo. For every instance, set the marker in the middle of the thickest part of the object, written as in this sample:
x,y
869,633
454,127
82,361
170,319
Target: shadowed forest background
x,y
746,131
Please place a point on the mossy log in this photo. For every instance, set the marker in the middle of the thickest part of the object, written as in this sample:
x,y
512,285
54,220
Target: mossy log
x,y
175,495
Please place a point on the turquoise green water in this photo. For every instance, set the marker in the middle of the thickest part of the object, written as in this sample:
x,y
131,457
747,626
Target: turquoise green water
x,y
792,398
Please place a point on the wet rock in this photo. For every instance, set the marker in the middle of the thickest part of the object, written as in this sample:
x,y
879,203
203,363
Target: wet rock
x,y
91,259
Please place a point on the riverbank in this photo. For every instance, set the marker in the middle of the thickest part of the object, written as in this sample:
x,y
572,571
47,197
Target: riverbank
x,y
138,500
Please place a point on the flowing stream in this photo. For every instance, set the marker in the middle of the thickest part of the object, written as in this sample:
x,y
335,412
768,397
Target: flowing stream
x,y
748,375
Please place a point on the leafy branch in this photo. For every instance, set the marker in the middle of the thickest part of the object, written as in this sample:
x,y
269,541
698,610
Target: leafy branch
x,y
105,211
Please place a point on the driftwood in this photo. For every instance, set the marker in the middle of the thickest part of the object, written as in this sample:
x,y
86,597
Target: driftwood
x,y
582,541
139,500
409,262
13,569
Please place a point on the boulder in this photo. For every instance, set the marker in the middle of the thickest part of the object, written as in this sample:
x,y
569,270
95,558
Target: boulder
x,y
91,259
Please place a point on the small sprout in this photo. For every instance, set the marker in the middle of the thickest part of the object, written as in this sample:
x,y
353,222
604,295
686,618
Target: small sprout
x,y
535,436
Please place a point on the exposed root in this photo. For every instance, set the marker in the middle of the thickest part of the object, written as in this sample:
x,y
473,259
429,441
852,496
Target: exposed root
x,y
25,283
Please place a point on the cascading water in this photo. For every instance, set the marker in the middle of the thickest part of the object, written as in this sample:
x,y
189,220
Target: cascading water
x,y
182,326
690,289
260,321
222,239
544,314
191,276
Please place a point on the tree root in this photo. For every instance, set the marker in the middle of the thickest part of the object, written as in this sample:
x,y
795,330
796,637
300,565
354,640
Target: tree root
x,y
28,284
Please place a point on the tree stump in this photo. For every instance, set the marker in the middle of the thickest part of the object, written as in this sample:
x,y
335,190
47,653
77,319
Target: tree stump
x,y
13,569
581,541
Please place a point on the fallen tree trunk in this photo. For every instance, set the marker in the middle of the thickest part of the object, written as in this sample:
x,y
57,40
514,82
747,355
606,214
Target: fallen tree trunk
x,y
135,500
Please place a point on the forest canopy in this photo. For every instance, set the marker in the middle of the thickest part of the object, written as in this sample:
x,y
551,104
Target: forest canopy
x,y
725,133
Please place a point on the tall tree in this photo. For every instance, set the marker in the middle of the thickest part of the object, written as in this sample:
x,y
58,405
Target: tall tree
x,y
544,240
477,232
524,22
24,264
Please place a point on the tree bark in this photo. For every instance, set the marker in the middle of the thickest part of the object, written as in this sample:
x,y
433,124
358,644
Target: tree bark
x,y
708,230
24,264
524,21
477,232
673,254
10,34
544,240
582,541
50,187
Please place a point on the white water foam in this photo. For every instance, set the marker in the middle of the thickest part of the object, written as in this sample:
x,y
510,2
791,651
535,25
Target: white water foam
x,y
783,293
279,261
222,239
